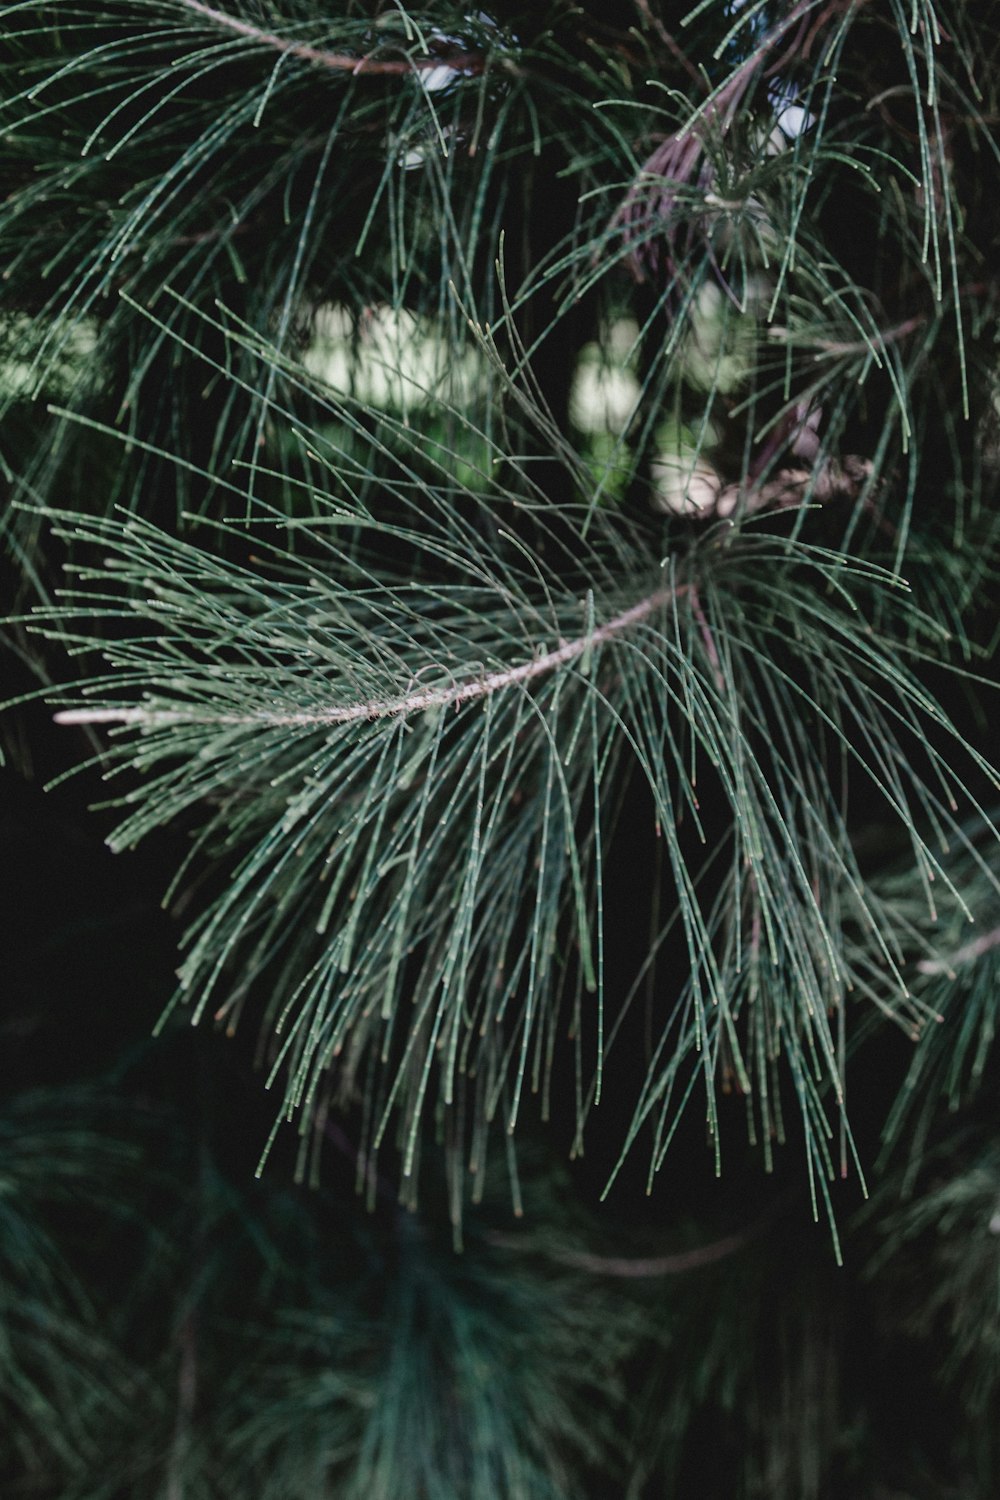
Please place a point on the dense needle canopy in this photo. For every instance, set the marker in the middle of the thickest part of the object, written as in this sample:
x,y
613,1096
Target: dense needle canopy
x,y
513,490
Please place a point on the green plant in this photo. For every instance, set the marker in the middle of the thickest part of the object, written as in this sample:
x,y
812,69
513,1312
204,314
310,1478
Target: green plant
x,y
520,487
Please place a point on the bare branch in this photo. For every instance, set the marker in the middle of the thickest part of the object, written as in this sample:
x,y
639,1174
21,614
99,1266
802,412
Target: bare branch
x,y
832,479
707,498
644,1267
966,954
342,62
647,1267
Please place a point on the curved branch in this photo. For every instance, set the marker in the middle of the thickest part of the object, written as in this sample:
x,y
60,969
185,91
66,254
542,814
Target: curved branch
x,y
455,695
342,62
643,1267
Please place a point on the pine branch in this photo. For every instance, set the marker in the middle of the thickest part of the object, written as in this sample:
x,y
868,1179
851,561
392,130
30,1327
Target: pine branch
x,y
647,1267
388,834
469,63
431,699
482,650
593,433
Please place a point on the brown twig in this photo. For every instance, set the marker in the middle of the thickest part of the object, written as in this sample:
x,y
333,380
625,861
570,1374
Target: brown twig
x,y
782,335
187,1389
832,479
342,62
669,42
966,954
644,1267
708,639
453,696
680,161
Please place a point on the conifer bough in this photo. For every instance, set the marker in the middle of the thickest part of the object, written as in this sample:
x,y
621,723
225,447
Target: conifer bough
x,y
445,650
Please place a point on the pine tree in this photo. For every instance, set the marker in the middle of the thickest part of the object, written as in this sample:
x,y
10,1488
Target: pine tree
x,y
501,544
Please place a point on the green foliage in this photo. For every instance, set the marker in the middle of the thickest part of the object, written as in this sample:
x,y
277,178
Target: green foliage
x,y
957,979
470,721
510,495
939,1244
61,1378
275,1346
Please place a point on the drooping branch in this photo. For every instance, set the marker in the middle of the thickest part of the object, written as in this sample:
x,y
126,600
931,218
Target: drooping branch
x,y
342,62
453,696
649,1267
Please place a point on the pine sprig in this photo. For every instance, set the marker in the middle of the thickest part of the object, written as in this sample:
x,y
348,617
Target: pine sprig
x,y
535,754
409,778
